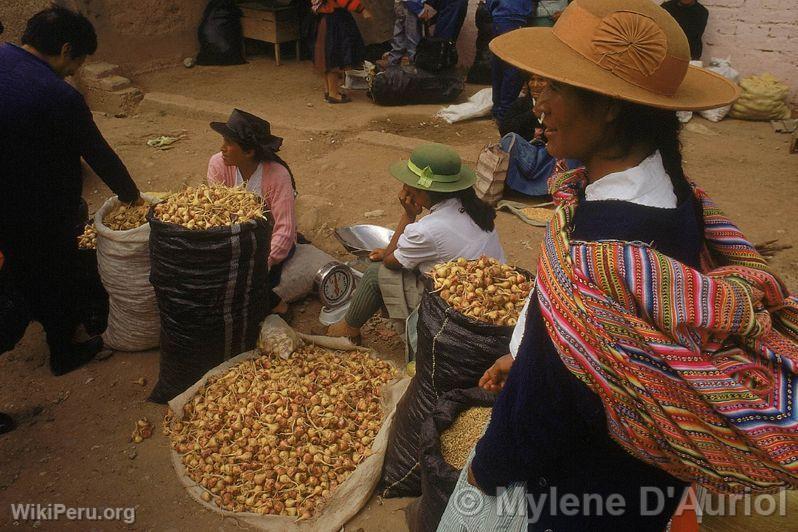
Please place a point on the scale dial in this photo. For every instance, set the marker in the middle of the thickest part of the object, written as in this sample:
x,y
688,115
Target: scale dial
x,y
336,283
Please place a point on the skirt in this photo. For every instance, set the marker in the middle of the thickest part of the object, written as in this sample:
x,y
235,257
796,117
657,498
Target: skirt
x,y
339,44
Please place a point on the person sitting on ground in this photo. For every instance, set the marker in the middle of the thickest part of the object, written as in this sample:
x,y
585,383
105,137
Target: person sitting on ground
x,y
406,31
523,138
458,225
657,340
692,17
248,158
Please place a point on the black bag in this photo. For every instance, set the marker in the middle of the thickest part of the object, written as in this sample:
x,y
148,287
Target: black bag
x,y
434,54
454,351
220,35
438,478
212,295
402,85
481,70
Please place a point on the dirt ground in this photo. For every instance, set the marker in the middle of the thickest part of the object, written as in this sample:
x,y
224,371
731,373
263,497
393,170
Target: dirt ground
x,y
72,443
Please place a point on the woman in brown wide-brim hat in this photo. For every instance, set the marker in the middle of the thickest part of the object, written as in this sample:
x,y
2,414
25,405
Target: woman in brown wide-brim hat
x,y
657,343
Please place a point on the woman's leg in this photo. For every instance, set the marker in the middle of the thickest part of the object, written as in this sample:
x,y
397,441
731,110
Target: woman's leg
x,y
333,80
366,301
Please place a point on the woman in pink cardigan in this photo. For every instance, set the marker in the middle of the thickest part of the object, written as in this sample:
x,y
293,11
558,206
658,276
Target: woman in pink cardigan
x,y
248,158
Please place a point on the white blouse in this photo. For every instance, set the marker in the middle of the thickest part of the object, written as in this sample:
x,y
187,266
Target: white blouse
x,y
646,184
446,233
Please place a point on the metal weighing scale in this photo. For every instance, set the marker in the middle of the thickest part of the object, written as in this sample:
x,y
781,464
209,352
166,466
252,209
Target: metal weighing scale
x,y
336,281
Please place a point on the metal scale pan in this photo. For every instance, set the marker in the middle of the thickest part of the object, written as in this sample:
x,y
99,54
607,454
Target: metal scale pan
x,y
360,240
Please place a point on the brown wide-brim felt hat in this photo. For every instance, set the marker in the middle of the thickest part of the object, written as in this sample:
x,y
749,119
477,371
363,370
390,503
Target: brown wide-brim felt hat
x,y
631,50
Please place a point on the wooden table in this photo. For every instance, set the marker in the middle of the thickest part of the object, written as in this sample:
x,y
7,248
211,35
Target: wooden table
x,y
274,25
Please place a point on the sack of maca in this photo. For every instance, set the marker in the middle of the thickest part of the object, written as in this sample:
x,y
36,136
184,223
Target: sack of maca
x,y
448,435
465,323
209,249
122,239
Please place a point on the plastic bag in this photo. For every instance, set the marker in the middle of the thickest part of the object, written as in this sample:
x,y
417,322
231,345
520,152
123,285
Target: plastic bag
x,y
763,98
453,352
724,68
438,478
478,105
123,260
404,85
434,54
345,501
277,338
220,35
212,295
480,72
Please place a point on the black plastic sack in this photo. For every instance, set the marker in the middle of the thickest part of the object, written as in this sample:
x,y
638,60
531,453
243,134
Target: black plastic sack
x,y
403,85
212,294
438,478
480,71
434,54
220,35
453,352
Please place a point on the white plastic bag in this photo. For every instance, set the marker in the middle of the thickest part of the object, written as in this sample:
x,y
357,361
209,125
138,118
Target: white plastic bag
x,y
686,116
724,68
478,105
123,260
277,338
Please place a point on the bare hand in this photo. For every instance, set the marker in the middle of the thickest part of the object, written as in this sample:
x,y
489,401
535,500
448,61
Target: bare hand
x,y
377,254
366,14
494,378
427,12
471,479
408,202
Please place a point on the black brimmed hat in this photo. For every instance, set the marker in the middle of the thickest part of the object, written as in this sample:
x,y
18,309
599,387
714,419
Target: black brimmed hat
x,y
246,128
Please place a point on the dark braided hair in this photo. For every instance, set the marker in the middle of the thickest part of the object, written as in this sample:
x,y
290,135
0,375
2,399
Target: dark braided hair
x,y
479,211
262,154
656,129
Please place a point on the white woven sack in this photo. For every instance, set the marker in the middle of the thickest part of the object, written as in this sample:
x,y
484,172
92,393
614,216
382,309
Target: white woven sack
x,y
123,259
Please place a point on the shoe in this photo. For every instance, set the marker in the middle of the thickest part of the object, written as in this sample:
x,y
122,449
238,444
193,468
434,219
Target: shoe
x,y
77,356
6,423
344,99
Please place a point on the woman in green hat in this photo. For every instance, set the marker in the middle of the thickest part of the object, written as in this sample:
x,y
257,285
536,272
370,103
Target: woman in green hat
x,y
458,225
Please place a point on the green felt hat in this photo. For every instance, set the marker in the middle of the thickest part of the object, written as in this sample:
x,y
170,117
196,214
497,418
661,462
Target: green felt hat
x,y
434,167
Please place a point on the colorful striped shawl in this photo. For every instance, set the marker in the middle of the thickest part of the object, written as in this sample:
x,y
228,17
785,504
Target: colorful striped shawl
x,y
696,369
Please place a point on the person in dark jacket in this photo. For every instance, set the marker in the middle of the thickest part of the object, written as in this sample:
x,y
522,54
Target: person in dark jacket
x,y
558,426
45,129
692,17
507,80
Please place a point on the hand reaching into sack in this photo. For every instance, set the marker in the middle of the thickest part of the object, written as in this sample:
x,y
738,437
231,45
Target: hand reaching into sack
x,y
494,378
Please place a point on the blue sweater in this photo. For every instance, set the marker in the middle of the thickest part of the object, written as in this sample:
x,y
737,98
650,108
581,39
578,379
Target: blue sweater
x,y
45,129
549,430
510,9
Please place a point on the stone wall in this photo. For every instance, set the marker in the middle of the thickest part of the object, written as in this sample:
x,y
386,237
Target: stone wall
x,y
758,35
137,35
